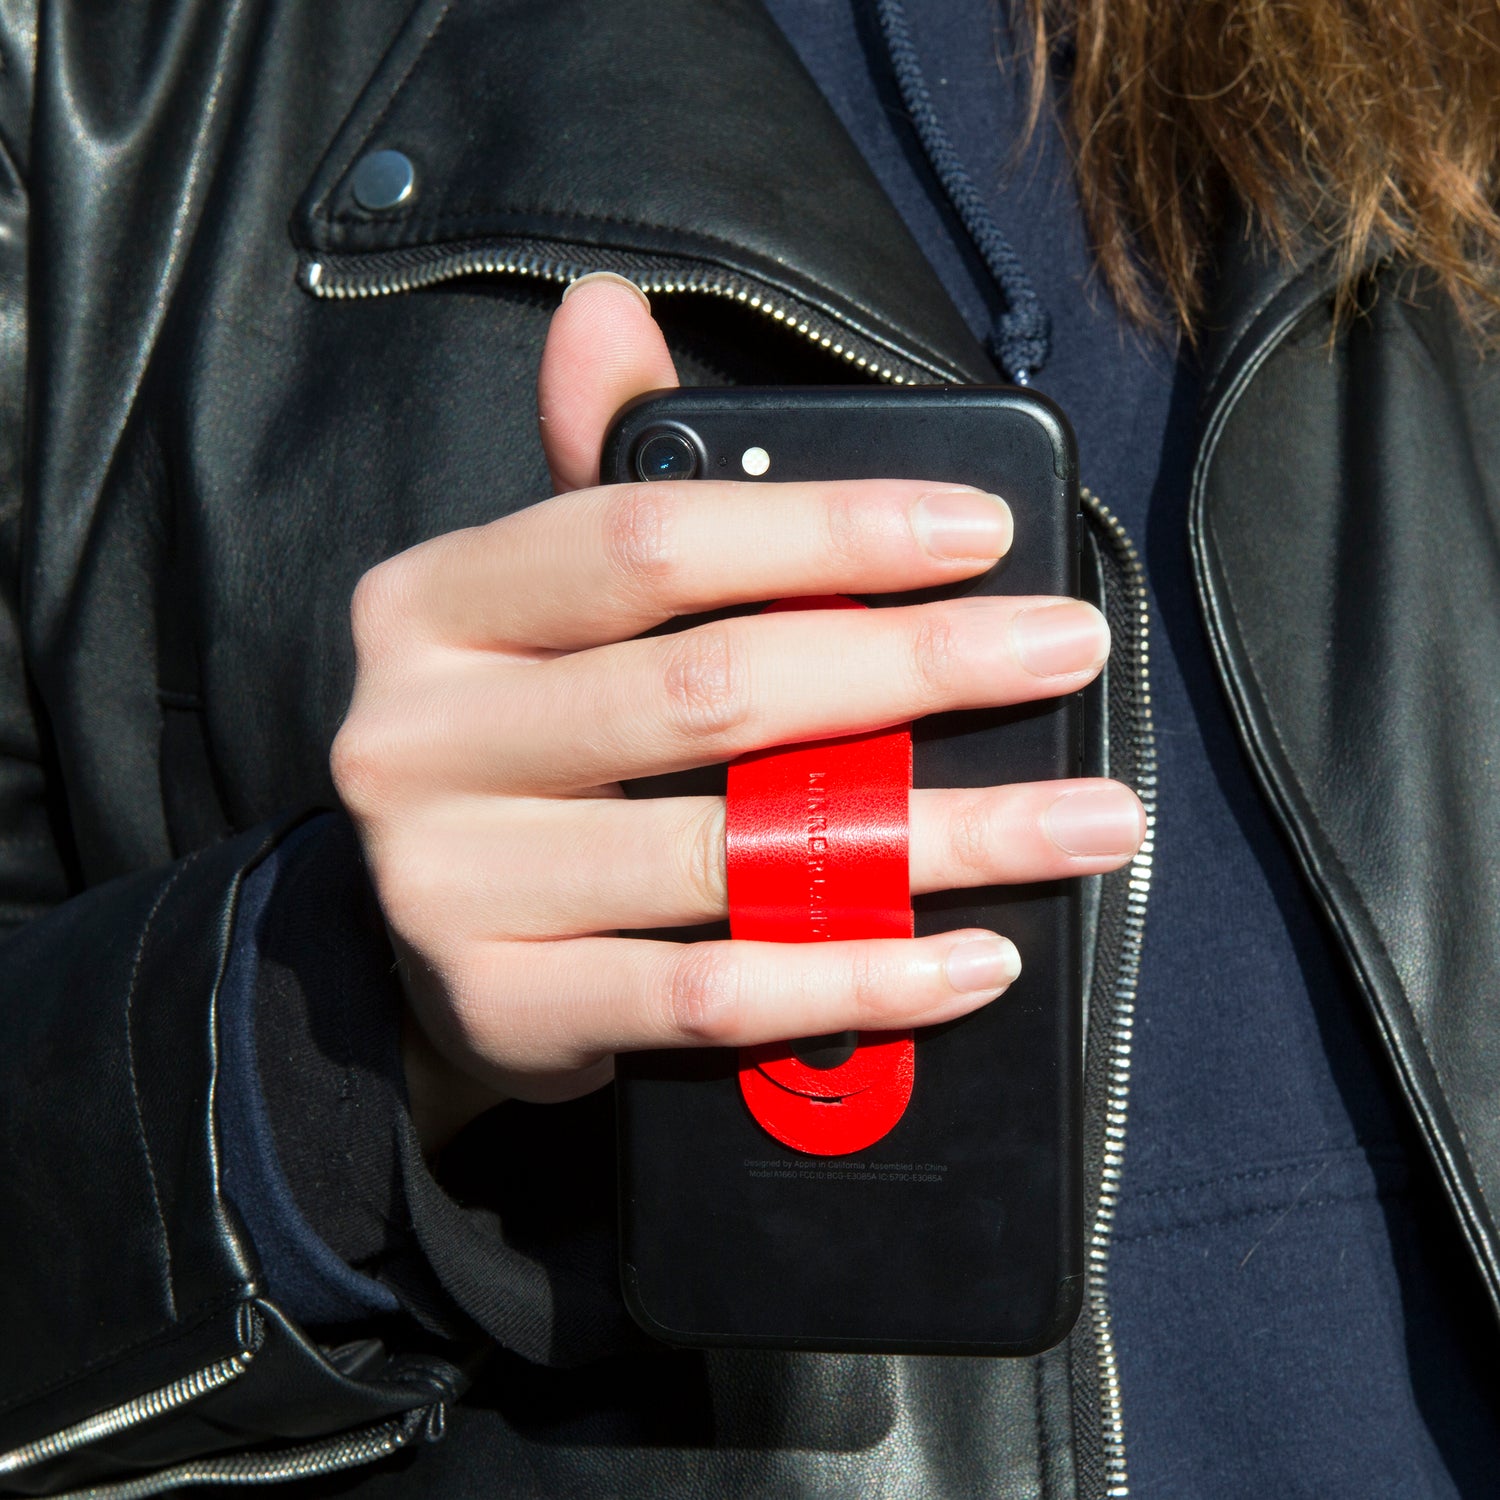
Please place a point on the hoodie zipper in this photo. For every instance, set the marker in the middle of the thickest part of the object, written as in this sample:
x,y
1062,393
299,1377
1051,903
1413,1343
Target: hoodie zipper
x,y
1114,1029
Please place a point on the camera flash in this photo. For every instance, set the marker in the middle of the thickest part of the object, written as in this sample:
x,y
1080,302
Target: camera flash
x,y
755,461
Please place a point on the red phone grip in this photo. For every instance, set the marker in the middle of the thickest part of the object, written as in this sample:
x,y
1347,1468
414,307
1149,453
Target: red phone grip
x,y
817,838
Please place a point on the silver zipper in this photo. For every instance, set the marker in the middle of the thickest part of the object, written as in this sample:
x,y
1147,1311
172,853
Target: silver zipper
x,y
129,1414
389,272
346,1452
1119,1029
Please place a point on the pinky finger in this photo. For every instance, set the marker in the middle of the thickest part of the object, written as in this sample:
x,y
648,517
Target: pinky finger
x,y
545,1008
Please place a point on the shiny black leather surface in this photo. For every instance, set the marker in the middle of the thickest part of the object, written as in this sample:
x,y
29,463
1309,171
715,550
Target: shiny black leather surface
x,y
212,447
1354,592
727,156
123,1271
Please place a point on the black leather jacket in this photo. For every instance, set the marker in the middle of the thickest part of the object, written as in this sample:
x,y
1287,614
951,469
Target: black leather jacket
x,y
226,390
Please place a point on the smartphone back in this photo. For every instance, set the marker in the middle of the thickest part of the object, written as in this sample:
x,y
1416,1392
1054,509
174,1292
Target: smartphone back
x,y
960,1231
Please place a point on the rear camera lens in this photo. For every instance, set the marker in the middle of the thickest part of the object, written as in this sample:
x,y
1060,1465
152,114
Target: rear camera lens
x,y
666,455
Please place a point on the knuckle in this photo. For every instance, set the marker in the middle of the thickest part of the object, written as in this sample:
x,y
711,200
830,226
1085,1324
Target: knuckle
x,y
397,742
379,602
703,995
701,850
846,531
640,538
873,997
705,684
359,770
381,756
935,656
971,838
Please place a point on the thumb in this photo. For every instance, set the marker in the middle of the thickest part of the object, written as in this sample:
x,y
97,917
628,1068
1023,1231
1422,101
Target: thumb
x,y
603,348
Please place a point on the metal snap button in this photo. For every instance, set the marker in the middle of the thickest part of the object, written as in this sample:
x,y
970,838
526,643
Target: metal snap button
x,y
382,180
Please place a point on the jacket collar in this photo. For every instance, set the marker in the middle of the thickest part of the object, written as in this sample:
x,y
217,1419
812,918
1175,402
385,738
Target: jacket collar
x,y
1256,294
531,122
683,134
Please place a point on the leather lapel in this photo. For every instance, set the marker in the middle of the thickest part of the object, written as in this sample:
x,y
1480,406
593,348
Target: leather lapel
x,y
1344,525
1256,294
679,129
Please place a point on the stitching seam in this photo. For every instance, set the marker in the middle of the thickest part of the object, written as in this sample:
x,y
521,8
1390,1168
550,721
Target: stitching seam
x,y
135,1093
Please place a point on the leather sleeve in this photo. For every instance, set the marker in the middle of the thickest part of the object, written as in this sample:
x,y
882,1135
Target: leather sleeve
x,y
138,1332
33,867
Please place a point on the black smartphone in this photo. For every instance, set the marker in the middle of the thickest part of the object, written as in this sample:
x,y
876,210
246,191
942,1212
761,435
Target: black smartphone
x,y
960,1230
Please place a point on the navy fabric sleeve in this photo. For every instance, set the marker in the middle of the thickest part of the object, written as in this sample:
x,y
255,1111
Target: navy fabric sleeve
x,y
321,1158
303,1273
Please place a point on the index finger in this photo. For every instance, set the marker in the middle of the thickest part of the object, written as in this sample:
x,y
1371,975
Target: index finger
x,y
602,565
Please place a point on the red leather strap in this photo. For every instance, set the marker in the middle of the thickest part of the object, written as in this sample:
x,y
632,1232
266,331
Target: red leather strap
x,y
817,851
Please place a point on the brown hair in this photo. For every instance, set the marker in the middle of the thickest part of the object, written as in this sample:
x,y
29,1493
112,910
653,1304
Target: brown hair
x,y
1362,122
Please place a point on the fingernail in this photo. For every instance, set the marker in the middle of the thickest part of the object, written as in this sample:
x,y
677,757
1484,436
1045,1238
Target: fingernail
x,y
597,276
1095,821
982,964
1055,639
962,523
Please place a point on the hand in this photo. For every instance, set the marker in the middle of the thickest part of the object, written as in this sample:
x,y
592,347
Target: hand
x,y
502,693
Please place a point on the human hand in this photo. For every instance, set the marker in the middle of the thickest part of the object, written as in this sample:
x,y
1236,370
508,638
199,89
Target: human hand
x,y
502,693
